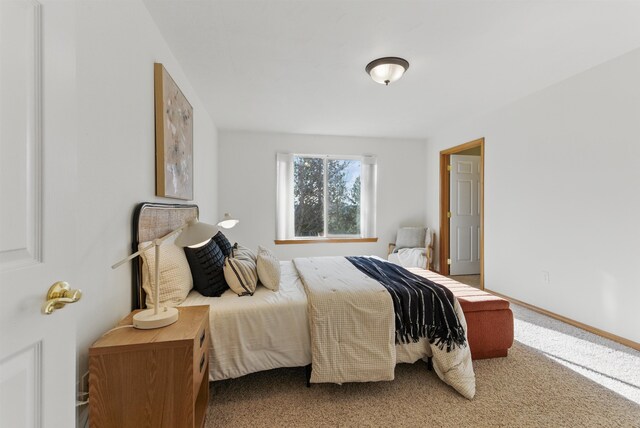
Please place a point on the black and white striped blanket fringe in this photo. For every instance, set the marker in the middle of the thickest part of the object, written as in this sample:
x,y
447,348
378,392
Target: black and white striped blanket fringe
x,y
422,307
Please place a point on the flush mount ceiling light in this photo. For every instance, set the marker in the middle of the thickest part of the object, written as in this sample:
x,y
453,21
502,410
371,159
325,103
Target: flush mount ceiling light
x,y
387,70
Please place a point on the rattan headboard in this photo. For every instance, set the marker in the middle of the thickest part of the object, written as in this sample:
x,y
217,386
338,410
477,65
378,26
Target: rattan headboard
x,y
151,221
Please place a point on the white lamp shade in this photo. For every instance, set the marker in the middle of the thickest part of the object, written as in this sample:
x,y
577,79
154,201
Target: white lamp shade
x,y
195,233
387,70
227,221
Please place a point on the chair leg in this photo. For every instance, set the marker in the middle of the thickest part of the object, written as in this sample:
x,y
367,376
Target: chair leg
x,y
429,364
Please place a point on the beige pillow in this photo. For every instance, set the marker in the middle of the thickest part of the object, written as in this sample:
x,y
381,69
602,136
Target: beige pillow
x,y
175,275
268,267
243,253
240,271
410,237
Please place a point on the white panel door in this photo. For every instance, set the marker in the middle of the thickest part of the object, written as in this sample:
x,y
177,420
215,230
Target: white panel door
x,y
464,226
37,231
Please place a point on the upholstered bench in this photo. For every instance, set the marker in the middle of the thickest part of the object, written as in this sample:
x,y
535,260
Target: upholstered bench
x,y
489,319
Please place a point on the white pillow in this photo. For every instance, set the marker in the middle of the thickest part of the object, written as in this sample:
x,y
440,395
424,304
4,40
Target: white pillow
x,y
410,237
240,271
175,275
268,269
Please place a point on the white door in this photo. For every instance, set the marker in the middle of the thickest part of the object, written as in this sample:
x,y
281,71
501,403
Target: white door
x,y
37,200
464,205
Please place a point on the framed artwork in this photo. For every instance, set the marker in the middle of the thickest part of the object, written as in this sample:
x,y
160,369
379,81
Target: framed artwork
x,y
174,138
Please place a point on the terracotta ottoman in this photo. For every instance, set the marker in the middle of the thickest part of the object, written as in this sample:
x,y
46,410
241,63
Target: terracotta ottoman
x,y
489,319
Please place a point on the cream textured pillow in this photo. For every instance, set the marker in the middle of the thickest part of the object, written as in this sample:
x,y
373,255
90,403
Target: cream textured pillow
x,y
243,253
240,271
268,269
175,275
410,237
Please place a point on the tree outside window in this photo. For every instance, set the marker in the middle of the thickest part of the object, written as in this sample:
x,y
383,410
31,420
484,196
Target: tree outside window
x,y
327,196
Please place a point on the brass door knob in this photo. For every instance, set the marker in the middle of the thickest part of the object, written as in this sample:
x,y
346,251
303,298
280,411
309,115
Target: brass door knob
x,y
60,294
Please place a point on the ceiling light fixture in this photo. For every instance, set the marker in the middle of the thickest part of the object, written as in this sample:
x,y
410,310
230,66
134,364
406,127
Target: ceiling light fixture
x,y
387,70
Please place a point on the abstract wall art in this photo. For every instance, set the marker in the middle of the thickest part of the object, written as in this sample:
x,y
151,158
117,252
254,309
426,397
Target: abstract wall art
x,y
174,138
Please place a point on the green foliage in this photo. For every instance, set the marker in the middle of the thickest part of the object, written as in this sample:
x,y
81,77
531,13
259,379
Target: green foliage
x,y
343,202
308,196
343,197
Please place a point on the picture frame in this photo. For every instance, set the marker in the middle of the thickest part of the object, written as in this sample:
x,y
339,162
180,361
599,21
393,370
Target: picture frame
x,y
174,138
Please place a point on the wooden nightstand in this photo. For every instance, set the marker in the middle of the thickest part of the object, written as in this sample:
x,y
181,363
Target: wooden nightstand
x,y
151,378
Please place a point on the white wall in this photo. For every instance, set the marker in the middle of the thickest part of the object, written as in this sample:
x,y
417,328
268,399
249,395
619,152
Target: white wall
x,y
247,186
561,195
117,43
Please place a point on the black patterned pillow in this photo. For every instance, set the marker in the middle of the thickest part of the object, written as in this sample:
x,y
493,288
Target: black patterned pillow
x,y
223,243
206,265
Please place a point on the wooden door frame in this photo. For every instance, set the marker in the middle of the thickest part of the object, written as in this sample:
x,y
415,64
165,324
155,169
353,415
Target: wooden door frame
x,y
445,158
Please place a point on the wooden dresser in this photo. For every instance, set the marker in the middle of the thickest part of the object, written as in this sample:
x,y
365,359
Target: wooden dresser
x,y
151,378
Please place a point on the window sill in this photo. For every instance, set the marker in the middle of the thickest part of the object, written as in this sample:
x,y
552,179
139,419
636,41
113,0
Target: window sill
x,y
323,241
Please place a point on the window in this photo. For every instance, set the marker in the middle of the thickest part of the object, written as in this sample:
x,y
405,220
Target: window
x,y
325,197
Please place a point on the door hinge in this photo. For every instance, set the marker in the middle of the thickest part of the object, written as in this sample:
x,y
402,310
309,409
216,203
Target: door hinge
x,y
448,261
448,167
448,214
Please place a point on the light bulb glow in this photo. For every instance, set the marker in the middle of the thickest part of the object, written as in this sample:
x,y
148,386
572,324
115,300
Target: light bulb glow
x,y
201,244
387,70
228,222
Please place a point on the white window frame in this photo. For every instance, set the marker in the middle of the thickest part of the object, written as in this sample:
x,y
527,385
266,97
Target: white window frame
x,y
285,229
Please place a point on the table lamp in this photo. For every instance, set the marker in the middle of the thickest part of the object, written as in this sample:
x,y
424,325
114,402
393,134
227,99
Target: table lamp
x,y
227,221
192,233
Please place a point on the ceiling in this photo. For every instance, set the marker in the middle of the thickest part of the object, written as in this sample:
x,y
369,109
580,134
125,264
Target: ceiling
x,y
298,66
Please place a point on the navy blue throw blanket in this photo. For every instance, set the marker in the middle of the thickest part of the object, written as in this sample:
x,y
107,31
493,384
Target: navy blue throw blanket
x,y
423,308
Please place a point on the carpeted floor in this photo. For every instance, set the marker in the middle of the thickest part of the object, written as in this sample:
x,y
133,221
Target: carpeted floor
x,y
538,385
472,280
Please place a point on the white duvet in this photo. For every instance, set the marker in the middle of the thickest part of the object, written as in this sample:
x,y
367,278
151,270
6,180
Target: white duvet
x,y
271,330
351,320
261,332
352,325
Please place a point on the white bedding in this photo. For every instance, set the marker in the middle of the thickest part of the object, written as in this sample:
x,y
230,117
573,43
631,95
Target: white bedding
x,y
409,257
352,326
261,332
351,320
268,330
271,330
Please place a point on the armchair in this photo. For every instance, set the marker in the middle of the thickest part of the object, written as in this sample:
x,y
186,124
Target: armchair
x,y
413,247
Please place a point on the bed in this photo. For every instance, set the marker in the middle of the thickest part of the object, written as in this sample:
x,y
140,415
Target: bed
x,y
269,329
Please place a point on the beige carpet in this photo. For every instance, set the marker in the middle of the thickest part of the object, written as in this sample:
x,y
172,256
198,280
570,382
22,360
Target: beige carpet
x,y
472,280
526,389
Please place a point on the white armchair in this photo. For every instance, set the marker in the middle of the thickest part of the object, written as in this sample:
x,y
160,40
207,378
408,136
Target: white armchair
x,y
413,247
